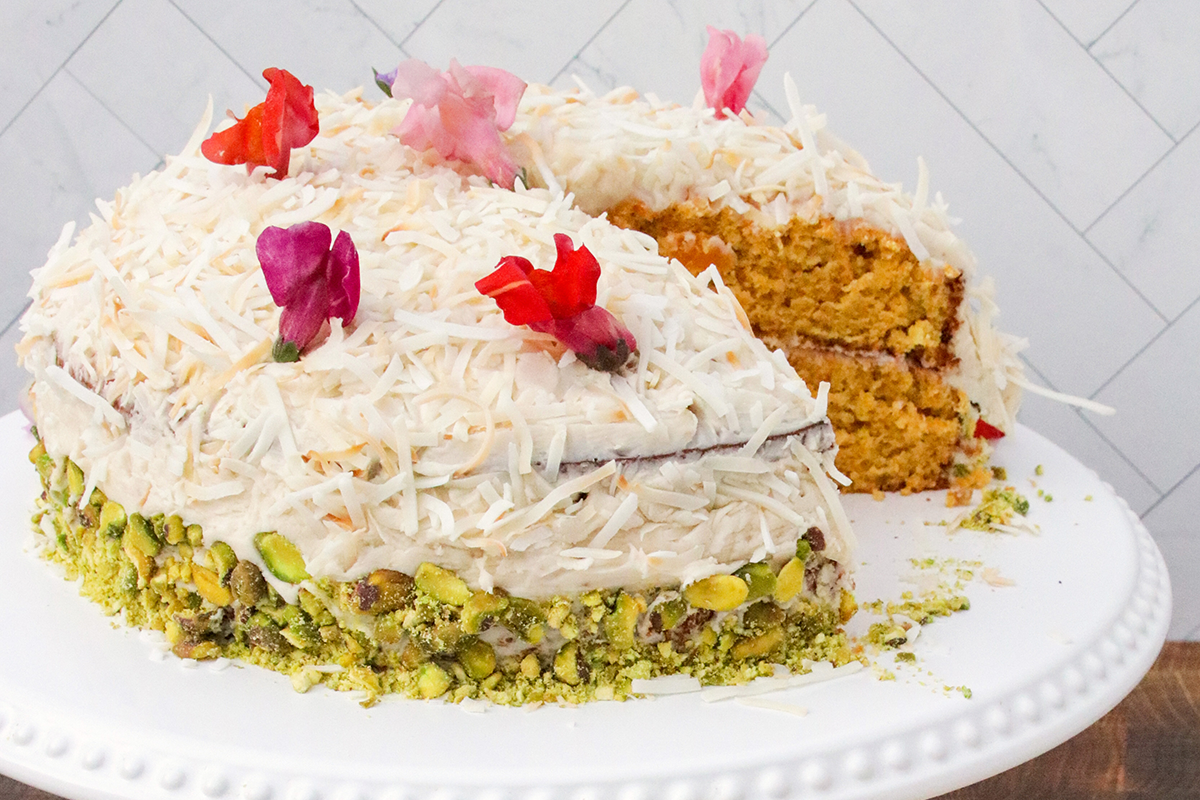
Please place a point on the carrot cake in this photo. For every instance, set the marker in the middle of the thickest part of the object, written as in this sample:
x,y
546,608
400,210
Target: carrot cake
x,y
284,414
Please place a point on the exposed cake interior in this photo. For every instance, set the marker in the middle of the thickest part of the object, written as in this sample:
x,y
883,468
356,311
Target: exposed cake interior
x,y
863,285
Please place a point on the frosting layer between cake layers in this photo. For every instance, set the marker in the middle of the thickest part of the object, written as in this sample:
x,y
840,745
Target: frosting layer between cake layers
x,y
429,429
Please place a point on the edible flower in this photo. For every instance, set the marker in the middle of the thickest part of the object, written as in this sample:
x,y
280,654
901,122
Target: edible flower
x,y
729,68
310,280
561,302
459,113
269,131
984,430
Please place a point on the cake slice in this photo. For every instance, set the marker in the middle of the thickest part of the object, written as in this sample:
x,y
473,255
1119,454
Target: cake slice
x,y
430,500
865,286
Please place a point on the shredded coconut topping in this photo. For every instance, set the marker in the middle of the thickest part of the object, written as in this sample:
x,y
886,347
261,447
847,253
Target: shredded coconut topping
x,y
429,429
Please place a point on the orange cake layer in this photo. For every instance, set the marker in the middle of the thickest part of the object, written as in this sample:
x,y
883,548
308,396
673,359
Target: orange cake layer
x,y
852,306
835,284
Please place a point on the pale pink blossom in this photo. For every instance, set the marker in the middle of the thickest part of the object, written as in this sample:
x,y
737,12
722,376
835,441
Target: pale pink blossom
x,y
729,68
459,113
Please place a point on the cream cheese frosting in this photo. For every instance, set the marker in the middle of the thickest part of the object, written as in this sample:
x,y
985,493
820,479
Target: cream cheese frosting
x,y
429,428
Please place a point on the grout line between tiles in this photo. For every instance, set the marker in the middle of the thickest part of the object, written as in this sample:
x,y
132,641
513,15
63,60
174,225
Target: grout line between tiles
x,y
1113,24
58,69
376,25
771,46
790,25
1104,69
257,79
1087,421
1004,157
591,39
120,120
17,318
1171,490
762,101
1124,278
420,22
1141,177
1170,324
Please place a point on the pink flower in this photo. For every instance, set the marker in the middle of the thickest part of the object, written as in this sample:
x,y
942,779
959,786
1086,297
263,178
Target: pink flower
x,y
311,281
459,113
729,68
562,303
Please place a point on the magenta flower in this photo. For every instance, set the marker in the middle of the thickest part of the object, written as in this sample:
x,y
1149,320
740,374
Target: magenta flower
x,y
459,113
729,68
311,281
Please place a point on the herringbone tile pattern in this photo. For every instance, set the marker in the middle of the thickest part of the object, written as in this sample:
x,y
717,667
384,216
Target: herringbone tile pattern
x,y
1062,133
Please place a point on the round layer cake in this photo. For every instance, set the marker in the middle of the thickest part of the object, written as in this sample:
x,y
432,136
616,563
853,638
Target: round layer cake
x,y
430,501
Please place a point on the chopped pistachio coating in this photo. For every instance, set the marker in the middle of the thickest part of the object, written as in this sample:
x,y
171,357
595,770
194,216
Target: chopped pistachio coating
x,y
382,591
759,578
142,563
195,535
432,681
671,612
847,607
717,593
299,629
790,581
140,534
524,618
442,584
209,586
173,530
480,607
763,615
247,583
281,557
75,482
562,649
477,658
803,549
112,519
568,664
223,561
620,624
759,645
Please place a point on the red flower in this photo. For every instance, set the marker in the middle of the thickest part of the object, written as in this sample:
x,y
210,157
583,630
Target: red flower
x,y
459,113
269,131
311,281
561,302
984,430
729,68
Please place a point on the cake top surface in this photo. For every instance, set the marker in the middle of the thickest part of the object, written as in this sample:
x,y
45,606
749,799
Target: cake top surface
x,y
157,323
163,302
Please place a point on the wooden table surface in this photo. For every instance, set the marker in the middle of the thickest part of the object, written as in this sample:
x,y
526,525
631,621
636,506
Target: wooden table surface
x,y
1147,748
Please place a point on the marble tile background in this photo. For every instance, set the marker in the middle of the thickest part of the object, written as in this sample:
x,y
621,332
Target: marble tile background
x,y
1062,132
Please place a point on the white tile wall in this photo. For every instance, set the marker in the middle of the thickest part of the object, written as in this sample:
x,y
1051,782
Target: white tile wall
x,y
1061,132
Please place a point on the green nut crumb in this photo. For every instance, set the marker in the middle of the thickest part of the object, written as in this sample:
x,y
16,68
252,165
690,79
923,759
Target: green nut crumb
x,y
997,508
1039,470
380,632
907,657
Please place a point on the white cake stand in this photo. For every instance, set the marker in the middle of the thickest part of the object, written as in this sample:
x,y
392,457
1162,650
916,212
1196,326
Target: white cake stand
x,y
88,712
